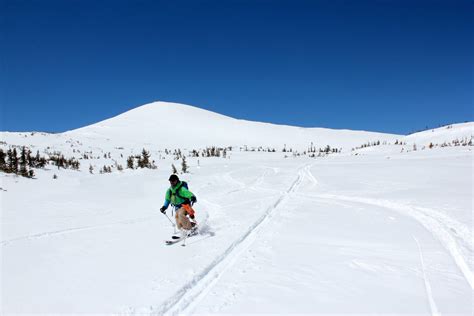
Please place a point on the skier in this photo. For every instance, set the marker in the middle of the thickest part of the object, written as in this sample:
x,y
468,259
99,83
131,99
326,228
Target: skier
x,y
181,198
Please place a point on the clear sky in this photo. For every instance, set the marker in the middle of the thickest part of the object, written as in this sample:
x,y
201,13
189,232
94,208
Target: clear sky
x,y
389,66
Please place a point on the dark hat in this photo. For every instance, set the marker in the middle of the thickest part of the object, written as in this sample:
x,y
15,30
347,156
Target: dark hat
x,y
173,177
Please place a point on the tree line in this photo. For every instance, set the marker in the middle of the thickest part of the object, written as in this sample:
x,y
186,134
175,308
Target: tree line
x,y
22,163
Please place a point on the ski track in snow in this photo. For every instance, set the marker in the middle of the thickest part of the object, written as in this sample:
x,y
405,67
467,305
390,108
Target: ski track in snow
x,y
433,307
254,185
189,296
311,177
74,230
454,236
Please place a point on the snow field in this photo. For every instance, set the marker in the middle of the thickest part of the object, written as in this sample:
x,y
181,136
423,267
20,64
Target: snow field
x,y
278,235
382,229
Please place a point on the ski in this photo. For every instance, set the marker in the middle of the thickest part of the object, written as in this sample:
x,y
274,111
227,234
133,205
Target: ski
x,y
180,237
174,241
193,232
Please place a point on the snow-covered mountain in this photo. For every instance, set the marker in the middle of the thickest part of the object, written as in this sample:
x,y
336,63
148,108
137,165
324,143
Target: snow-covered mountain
x,y
177,125
162,125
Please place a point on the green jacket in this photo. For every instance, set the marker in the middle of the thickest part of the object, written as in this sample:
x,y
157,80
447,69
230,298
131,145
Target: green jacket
x,y
177,195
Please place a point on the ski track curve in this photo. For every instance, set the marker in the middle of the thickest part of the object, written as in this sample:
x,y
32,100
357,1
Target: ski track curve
x,y
455,237
191,293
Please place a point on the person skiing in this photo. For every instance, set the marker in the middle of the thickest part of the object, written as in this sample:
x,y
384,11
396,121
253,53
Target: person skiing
x,y
181,198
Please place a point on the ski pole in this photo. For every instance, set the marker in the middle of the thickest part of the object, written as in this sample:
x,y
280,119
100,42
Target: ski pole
x,y
173,224
169,219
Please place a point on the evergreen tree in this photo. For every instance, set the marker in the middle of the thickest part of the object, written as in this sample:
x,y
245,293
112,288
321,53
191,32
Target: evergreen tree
x,y
145,159
173,169
3,163
29,159
130,162
23,162
12,161
184,166
37,160
91,169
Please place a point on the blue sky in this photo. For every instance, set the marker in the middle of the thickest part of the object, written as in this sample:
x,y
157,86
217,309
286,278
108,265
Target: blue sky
x,y
389,66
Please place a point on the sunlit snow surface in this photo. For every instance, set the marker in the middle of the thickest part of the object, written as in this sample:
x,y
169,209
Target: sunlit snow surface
x,y
376,230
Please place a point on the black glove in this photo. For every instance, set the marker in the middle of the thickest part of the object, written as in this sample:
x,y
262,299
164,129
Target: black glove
x,y
163,210
193,199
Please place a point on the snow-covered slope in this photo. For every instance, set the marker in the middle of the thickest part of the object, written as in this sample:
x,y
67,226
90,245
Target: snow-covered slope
x,y
175,125
447,134
334,235
384,229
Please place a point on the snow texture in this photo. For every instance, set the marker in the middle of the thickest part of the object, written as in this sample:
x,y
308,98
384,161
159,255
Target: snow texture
x,y
384,229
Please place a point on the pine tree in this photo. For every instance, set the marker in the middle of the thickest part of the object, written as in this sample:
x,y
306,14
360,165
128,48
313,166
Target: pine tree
x,y
12,161
29,159
184,166
91,169
145,160
130,162
37,160
3,164
173,169
23,162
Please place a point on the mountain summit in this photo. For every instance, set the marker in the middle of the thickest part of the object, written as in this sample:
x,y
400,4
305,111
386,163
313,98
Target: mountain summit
x,y
178,125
